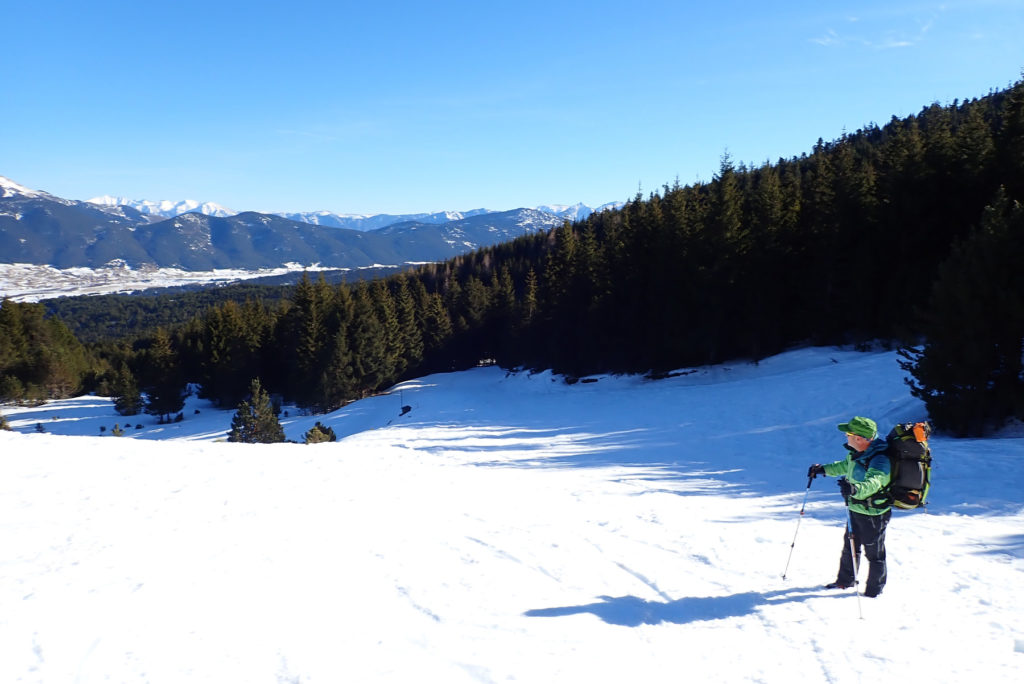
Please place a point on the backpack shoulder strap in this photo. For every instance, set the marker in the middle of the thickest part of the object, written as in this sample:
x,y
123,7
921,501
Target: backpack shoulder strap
x,y
878,451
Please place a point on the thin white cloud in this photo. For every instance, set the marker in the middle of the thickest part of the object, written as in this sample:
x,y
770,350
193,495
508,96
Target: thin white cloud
x,y
830,39
890,44
890,39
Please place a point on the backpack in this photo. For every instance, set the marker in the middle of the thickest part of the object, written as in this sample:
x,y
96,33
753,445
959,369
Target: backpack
x,y
910,462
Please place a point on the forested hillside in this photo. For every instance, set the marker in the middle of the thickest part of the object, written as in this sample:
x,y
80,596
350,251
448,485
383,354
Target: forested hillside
x,y
904,232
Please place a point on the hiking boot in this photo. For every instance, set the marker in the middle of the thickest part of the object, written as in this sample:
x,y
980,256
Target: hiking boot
x,y
837,585
872,593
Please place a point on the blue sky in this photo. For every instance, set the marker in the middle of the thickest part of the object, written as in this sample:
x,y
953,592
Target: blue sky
x,y
408,107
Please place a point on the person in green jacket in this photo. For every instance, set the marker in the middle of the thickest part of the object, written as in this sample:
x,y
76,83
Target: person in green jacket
x,y
863,480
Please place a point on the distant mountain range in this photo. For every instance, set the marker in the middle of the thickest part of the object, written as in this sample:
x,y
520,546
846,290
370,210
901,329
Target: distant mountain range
x,y
164,209
39,228
364,222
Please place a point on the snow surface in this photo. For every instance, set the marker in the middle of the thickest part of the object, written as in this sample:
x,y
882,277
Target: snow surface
x,y
9,188
34,282
509,527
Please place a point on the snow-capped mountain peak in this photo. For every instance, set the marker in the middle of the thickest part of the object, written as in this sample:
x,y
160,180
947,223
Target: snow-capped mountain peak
x,y
574,212
9,188
165,208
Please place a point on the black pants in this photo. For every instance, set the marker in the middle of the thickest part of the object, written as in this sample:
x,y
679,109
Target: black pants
x,y
869,535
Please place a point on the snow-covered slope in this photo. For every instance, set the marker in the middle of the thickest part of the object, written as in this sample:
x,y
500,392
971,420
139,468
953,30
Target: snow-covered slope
x,y
509,527
9,188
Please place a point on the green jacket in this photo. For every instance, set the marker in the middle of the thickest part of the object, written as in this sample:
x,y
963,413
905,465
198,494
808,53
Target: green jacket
x,y
869,472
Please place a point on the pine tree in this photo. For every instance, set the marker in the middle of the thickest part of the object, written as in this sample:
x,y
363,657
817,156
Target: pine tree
x,y
127,398
969,372
410,325
1010,149
255,420
975,147
337,381
528,307
307,324
314,436
437,324
475,301
368,344
387,315
975,165
233,338
729,221
166,390
319,434
764,299
452,299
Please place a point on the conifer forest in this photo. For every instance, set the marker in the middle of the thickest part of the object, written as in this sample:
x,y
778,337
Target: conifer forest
x,y
907,233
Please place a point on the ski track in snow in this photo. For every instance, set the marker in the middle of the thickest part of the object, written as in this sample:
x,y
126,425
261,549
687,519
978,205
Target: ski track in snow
x,y
509,527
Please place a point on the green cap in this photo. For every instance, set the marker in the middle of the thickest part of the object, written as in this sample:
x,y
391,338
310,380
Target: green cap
x,y
859,425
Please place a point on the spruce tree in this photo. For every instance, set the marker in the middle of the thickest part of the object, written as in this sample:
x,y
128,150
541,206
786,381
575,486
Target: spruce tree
x,y
127,398
231,342
410,325
969,371
528,306
166,390
728,207
437,325
255,420
367,342
387,315
1010,148
308,321
337,381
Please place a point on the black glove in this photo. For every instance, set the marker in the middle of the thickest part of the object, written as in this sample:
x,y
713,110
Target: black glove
x,y
847,488
815,470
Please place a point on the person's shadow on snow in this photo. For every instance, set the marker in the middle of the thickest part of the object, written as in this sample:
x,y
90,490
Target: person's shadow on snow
x,y
630,611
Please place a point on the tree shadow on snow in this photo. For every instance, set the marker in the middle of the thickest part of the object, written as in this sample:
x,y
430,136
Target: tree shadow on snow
x,y
1010,545
631,611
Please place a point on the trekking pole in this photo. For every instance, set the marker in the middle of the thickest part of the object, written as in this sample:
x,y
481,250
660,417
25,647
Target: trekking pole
x,y
853,558
810,478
